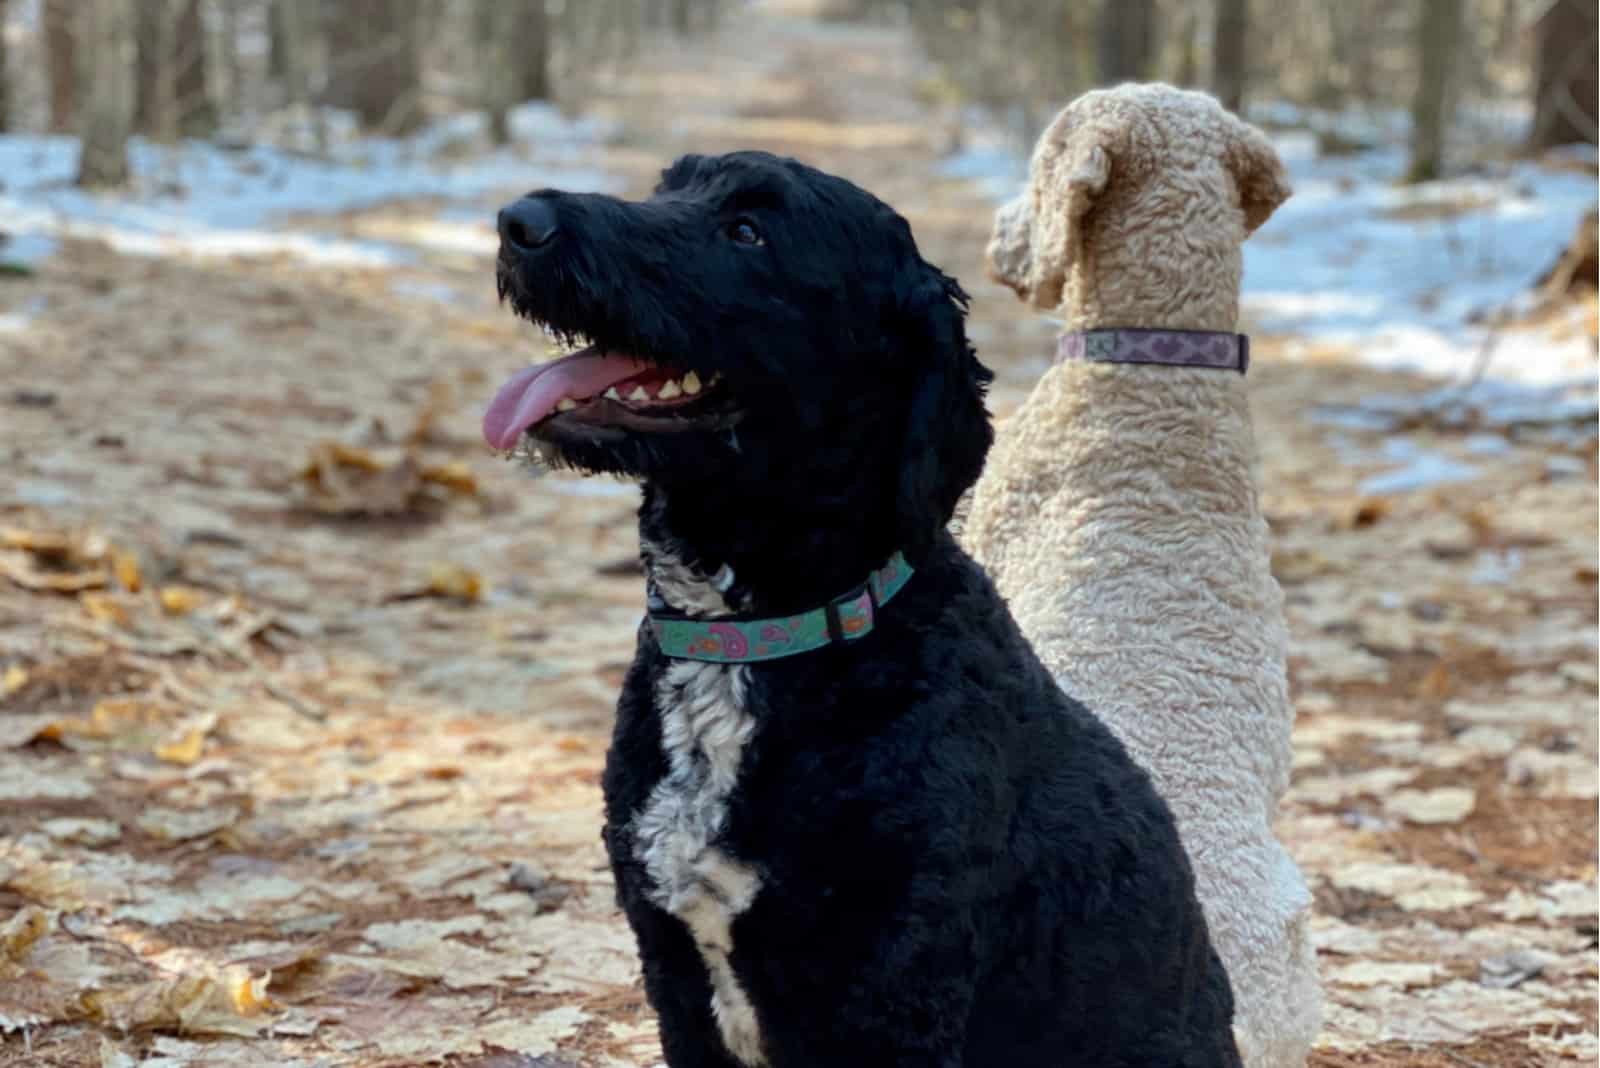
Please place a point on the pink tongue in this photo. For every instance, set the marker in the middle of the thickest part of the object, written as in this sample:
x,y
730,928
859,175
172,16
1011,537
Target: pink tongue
x,y
533,393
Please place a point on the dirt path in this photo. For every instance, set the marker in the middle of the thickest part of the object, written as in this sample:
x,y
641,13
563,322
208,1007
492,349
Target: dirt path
x,y
303,696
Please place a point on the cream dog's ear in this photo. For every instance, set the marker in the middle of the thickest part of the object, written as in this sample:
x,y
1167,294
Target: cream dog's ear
x,y
1009,256
1258,172
1071,168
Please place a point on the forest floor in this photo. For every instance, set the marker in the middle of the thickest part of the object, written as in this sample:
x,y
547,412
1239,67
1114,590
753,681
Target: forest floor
x,y
304,695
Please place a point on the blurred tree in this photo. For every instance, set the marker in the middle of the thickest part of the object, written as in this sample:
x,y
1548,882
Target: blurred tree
x,y
533,51
1568,58
289,52
171,96
61,60
1229,31
513,50
196,112
154,93
106,27
1438,35
5,95
1126,39
375,61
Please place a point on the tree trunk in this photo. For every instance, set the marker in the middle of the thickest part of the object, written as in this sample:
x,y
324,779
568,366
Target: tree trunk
x,y
5,85
289,58
1126,39
1438,34
197,113
682,16
1188,66
1565,83
61,49
154,91
375,62
1229,33
533,52
105,25
492,31
278,45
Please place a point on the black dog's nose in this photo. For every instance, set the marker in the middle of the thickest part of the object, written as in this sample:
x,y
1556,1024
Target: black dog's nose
x,y
528,224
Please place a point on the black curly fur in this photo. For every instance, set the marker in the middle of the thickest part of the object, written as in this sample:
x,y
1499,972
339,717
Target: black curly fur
x,y
960,867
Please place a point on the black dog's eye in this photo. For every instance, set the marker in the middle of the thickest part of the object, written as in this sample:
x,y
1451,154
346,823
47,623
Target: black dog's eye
x,y
745,233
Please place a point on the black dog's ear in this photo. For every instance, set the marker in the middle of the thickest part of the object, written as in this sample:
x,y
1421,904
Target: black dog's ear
x,y
948,432
683,171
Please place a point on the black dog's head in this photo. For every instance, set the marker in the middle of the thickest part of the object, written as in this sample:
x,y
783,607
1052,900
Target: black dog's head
x,y
755,326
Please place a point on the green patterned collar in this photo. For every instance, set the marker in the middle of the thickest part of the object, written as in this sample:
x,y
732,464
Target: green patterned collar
x,y
737,640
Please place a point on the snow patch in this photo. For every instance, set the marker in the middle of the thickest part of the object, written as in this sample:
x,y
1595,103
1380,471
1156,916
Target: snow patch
x,y
204,199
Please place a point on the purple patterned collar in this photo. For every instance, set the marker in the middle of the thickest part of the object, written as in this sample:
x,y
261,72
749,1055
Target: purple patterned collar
x,y
1173,348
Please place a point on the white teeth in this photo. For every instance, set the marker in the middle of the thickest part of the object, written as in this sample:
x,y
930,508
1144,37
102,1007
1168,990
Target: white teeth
x,y
691,383
638,394
612,394
670,390
566,404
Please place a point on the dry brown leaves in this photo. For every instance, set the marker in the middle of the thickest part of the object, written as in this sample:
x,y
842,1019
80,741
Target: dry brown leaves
x,y
344,480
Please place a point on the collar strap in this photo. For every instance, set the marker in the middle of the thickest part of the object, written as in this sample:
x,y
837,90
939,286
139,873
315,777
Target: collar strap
x,y
1174,348
741,640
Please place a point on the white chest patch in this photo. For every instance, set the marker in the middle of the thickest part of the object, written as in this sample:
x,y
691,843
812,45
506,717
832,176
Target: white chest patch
x,y
704,728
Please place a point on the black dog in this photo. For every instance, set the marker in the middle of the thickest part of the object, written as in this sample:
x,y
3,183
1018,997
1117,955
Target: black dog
x,y
903,847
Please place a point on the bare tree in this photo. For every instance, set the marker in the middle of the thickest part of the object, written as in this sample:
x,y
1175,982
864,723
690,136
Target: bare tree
x,y
61,50
533,51
105,26
1229,32
5,95
171,95
1565,80
196,112
375,61
1438,34
155,106
1126,40
288,57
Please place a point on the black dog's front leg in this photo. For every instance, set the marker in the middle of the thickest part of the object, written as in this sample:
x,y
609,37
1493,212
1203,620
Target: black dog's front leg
x,y
679,990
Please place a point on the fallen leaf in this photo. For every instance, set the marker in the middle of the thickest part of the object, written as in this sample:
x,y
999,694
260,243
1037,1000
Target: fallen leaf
x,y
16,731
82,831
1445,804
104,607
18,934
230,1002
180,600
22,570
1367,973
125,565
1513,968
129,721
180,824
454,476
1555,901
14,679
453,580
112,1057
1411,886
184,750
1557,775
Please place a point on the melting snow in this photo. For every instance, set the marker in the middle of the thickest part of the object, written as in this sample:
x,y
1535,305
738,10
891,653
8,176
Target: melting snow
x,y
203,199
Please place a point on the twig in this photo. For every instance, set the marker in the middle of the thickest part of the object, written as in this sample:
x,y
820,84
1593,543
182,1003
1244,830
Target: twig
x,y
295,701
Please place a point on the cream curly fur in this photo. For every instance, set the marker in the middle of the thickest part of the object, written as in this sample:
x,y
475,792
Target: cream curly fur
x,y
1119,516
